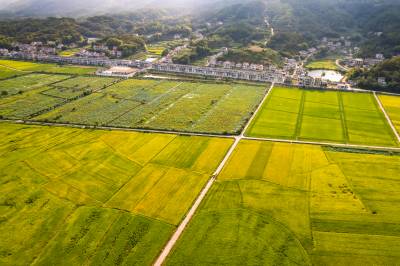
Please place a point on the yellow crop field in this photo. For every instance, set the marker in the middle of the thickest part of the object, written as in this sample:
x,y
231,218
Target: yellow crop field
x,y
69,195
392,107
333,206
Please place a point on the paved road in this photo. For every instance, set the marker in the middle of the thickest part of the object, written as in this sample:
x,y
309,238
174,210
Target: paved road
x,y
340,66
177,234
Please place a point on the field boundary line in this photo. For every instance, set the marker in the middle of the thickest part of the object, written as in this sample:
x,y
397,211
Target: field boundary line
x,y
387,117
331,144
343,117
110,128
299,121
250,121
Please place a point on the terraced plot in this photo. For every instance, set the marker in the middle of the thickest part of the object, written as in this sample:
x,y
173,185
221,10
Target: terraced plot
x,y
328,116
73,196
392,108
49,68
165,105
277,203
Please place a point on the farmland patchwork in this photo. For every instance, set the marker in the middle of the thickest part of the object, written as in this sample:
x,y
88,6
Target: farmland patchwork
x,y
76,196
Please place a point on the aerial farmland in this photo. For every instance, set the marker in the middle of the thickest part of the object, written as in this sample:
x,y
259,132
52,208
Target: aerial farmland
x,y
102,170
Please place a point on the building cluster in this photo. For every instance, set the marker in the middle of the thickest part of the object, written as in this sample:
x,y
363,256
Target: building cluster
x,y
119,71
35,48
101,48
233,65
87,53
340,45
264,76
362,62
267,75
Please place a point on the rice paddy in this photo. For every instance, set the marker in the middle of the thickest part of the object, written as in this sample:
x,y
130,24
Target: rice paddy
x,y
29,95
328,116
71,196
392,108
164,105
74,196
277,203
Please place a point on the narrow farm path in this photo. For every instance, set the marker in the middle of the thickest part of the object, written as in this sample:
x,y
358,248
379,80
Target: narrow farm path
x,y
387,117
177,234
331,144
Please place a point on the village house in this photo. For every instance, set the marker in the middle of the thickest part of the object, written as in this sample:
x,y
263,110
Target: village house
x,y
382,81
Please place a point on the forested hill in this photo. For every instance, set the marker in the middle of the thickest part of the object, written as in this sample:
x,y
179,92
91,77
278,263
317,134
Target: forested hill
x,y
374,25
300,23
70,30
389,70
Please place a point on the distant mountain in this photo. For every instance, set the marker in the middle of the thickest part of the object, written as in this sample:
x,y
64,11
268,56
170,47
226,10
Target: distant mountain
x,y
76,8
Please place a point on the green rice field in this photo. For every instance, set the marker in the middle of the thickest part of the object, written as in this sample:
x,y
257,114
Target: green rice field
x,y
328,116
73,196
165,105
28,95
26,83
287,204
328,64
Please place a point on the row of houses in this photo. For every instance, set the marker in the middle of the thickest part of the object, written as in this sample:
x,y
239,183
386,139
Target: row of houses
x,y
244,66
363,62
277,76
263,76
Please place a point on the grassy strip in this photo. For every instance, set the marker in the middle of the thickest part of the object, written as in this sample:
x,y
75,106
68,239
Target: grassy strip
x,y
300,115
343,118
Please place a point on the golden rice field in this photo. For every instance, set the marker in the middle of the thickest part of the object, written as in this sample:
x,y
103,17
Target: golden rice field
x,y
73,196
392,108
25,66
279,203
